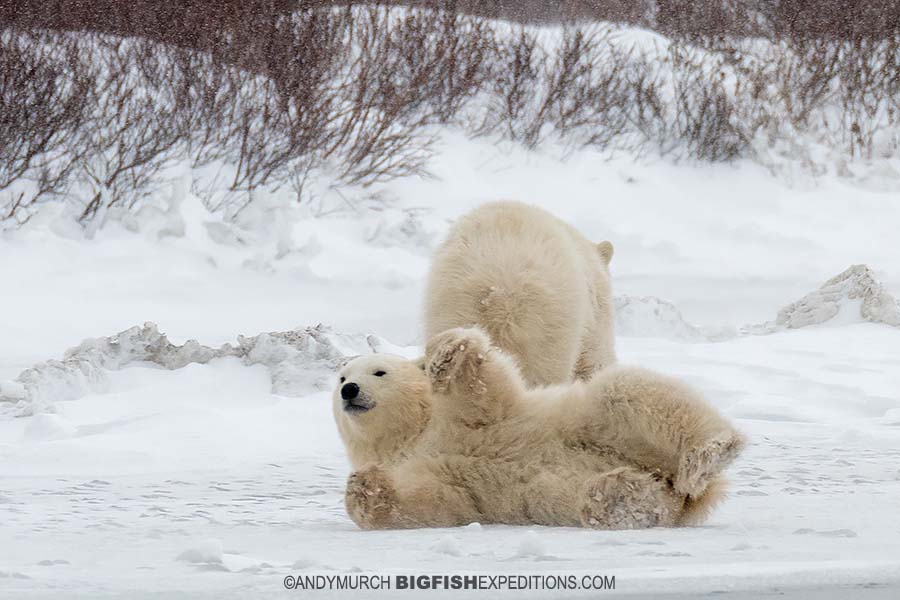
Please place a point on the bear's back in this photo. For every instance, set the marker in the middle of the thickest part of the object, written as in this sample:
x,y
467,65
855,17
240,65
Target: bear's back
x,y
527,278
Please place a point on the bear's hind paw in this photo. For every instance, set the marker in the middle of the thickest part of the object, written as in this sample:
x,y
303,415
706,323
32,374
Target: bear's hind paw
x,y
625,498
699,466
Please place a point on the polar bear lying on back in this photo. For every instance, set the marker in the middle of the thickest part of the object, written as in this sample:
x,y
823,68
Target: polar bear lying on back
x,y
461,438
537,287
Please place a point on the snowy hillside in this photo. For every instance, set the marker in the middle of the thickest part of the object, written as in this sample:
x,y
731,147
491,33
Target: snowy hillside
x,y
216,471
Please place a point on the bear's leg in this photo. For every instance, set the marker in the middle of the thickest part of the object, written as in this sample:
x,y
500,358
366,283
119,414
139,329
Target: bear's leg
x,y
471,379
656,422
627,498
404,498
549,499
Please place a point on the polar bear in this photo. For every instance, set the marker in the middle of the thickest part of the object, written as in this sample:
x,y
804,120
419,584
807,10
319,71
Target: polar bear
x,y
460,437
536,285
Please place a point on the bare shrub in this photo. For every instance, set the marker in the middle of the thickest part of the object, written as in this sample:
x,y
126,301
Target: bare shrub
x,y
357,105
513,84
202,25
41,108
594,109
803,77
205,100
841,93
576,91
572,63
269,93
382,131
269,121
647,113
131,135
704,111
259,138
869,83
460,48
890,79
332,108
832,20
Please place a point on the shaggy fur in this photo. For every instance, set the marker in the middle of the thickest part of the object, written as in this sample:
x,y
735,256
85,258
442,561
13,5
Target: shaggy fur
x,y
533,283
626,449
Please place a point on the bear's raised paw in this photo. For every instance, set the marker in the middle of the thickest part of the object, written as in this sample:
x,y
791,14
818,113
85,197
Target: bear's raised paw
x,y
454,357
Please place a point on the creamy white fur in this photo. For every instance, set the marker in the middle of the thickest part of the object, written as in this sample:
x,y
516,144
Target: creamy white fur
x,y
533,283
461,438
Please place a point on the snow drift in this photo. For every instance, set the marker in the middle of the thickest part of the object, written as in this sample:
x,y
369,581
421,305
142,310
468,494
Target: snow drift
x,y
302,361
299,362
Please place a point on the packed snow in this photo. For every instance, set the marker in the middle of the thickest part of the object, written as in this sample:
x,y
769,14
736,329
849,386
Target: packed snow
x,y
165,410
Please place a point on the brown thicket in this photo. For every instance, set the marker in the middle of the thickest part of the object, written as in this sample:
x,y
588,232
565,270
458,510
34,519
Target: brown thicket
x,y
102,98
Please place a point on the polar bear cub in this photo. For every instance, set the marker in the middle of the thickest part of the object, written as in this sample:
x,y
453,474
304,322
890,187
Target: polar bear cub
x,y
537,287
461,438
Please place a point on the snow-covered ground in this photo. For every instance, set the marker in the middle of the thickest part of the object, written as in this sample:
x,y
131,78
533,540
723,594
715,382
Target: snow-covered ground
x,y
201,480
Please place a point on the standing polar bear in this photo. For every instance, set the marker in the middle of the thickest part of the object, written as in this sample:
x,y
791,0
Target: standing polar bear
x,y
537,287
464,439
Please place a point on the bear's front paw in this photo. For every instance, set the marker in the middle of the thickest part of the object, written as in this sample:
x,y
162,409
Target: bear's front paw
x,y
701,465
455,356
370,498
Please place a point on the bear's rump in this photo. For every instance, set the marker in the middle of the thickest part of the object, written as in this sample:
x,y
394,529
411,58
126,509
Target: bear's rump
x,y
529,298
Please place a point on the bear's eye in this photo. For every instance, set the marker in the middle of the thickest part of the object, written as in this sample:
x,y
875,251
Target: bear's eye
x,y
379,373
343,379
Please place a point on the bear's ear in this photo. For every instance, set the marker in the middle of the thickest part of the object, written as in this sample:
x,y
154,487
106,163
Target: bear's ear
x,y
605,250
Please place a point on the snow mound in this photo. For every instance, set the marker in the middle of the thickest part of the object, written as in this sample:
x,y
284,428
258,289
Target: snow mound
x,y
447,545
531,545
205,552
853,296
300,361
650,316
83,368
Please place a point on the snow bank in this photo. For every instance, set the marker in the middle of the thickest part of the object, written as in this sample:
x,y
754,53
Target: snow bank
x,y
852,296
299,361
650,316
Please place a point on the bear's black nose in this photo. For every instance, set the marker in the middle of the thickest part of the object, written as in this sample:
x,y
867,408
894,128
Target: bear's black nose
x,y
349,391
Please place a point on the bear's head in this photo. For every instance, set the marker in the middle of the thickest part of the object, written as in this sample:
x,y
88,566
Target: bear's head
x,y
381,405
